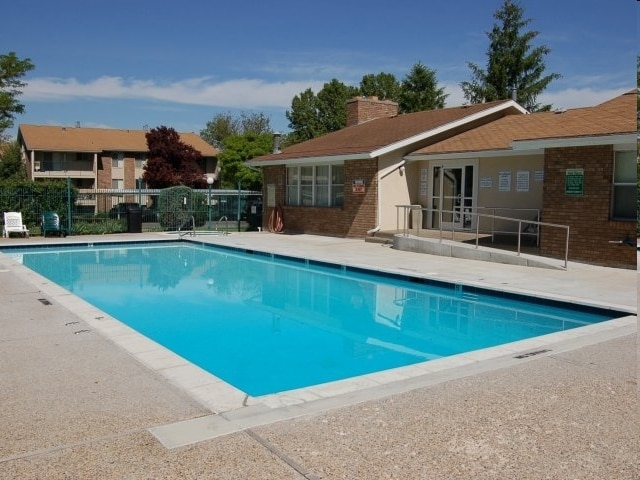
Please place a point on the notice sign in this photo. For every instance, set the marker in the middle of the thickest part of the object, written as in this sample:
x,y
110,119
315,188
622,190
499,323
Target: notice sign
x,y
574,181
522,181
504,182
358,186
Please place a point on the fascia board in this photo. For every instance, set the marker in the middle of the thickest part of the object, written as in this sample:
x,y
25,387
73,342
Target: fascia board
x,y
473,154
448,126
623,139
331,159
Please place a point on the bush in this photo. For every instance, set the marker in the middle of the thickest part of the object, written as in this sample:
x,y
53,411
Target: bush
x,y
176,206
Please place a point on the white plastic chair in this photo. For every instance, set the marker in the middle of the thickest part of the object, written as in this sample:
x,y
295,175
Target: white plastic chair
x,y
13,224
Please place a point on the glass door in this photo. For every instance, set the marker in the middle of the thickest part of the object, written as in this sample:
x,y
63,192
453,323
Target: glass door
x,y
452,192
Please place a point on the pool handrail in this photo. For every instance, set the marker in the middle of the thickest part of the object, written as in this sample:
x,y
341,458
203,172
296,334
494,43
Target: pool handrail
x,y
408,208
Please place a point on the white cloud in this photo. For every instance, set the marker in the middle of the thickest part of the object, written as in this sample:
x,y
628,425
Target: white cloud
x,y
565,98
250,93
579,97
239,93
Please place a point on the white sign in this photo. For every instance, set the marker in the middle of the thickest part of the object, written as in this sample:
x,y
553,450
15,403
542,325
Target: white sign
x,y
504,182
522,181
486,182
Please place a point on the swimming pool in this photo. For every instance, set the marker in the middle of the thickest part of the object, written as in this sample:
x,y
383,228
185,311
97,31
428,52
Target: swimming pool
x,y
267,323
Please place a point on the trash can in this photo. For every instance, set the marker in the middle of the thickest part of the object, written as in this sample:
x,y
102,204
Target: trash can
x,y
134,220
255,216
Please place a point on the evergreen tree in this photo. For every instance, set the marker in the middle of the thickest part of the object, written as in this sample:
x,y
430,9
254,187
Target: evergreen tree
x,y
419,91
513,64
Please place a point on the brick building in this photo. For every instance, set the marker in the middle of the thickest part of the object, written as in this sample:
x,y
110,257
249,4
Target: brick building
x,y
574,168
95,158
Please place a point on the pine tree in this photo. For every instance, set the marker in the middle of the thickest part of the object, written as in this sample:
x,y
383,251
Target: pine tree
x,y
513,64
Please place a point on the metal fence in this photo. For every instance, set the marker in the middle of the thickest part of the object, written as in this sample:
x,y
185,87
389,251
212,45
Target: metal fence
x,y
89,211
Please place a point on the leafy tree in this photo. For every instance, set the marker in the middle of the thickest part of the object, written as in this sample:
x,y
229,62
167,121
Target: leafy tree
x,y
303,118
419,90
12,69
171,162
512,63
385,86
11,166
224,125
314,115
237,149
332,104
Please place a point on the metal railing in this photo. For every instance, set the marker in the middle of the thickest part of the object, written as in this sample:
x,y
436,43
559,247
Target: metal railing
x,y
85,211
404,211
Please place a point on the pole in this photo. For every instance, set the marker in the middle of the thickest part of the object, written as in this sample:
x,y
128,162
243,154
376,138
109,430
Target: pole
x,y
238,213
209,204
69,205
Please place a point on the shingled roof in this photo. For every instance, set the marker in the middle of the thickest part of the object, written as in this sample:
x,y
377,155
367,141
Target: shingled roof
x,y
95,140
613,117
371,138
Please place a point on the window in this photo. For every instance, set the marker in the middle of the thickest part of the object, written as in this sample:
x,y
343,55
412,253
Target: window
x,y
117,159
625,186
320,185
141,158
117,183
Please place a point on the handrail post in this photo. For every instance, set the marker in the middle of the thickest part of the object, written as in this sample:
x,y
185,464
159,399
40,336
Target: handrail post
x,y
519,235
566,250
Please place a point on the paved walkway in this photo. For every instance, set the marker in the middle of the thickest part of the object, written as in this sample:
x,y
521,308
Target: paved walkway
x,y
78,405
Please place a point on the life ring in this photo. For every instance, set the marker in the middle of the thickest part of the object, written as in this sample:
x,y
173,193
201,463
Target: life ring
x,y
276,223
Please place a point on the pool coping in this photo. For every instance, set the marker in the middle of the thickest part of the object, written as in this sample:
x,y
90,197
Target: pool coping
x,y
233,410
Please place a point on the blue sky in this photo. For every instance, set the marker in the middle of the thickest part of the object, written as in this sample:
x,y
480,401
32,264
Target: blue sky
x,y
126,64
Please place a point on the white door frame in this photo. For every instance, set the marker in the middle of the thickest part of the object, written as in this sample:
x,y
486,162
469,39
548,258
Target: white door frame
x,y
459,200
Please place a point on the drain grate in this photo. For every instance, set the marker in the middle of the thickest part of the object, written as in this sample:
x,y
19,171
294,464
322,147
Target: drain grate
x,y
531,354
44,301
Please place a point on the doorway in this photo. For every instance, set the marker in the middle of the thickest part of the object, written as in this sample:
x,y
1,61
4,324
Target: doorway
x,y
453,192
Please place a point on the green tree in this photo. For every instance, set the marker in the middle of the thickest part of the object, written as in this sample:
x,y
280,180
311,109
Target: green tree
x,y
419,91
11,166
171,162
224,125
314,115
332,104
236,150
12,69
303,117
385,86
513,64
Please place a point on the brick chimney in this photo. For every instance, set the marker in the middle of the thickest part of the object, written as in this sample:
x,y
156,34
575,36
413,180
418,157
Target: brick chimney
x,y
363,109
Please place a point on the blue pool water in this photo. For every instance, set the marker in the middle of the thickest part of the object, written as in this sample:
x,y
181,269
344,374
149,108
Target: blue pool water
x,y
267,324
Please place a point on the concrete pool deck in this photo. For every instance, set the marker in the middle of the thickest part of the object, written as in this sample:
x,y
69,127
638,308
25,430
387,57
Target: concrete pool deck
x,y
79,402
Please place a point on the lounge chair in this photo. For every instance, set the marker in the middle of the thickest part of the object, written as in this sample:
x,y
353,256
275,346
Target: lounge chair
x,y
13,224
50,223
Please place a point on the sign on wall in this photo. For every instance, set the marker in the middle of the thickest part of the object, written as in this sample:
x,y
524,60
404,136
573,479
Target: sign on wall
x,y
358,186
574,181
522,181
504,182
